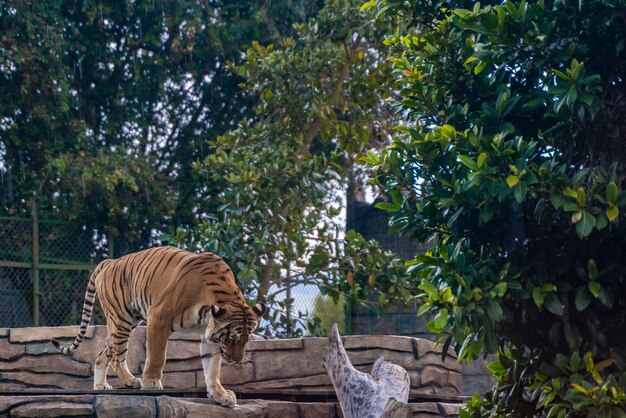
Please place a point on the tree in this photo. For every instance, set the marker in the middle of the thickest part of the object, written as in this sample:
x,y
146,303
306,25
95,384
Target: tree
x,y
284,174
330,312
103,104
512,161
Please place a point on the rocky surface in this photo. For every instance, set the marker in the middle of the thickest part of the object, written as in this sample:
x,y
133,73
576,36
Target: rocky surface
x,y
47,406
292,366
137,406
27,359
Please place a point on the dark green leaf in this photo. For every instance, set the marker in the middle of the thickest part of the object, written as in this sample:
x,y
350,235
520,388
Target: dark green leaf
x,y
388,206
592,269
468,162
605,297
519,191
612,192
538,297
586,224
583,298
594,288
493,310
441,319
553,303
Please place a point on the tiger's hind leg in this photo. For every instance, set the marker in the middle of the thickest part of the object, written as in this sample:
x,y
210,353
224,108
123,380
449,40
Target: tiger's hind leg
x,y
120,335
102,365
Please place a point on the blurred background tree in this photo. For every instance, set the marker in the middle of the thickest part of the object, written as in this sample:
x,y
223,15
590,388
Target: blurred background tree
x,y
105,106
511,159
330,311
284,175
233,127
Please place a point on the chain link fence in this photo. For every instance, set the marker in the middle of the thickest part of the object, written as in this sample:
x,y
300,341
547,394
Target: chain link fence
x,y
44,270
15,239
66,243
15,282
45,267
15,297
303,310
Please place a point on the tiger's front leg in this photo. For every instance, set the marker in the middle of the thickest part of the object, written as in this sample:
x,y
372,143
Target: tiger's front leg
x,y
157,334
211,363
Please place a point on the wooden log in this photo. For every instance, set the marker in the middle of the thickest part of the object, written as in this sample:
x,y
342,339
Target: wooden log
x,y
363,395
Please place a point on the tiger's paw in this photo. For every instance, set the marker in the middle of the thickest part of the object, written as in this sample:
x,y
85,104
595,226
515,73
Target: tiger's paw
x,y
134,383
225,398
151,383
102,386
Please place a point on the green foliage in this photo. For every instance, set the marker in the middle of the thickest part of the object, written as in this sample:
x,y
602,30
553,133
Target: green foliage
x,y
103,105
281,174
144,120
571,386
329,312
511,161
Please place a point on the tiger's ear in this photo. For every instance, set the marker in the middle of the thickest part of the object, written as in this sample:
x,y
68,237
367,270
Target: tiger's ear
x,y
217,312
259,309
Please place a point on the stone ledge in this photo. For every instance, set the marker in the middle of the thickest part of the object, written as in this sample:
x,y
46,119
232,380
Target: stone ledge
x,y
47,404
52,409
157,406
10,351
57,363
28,360
25,335
417,346
265,345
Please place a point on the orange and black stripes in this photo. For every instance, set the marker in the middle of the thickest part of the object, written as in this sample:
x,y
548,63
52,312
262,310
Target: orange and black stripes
x,y
170,289
89,301
125,286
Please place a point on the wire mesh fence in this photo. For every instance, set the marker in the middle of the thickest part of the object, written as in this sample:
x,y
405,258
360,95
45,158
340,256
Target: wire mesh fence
x,y
56,258
15,297
67,243
62,301
15,239
307,310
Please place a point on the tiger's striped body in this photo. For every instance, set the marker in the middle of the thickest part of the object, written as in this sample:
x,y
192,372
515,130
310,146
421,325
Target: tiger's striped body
x,y
172,290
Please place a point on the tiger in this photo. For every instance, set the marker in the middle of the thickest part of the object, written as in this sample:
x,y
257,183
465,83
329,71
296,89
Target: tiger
x,y
171,290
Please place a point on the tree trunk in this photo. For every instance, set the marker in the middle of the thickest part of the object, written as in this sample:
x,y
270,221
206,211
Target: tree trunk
x,y
362,395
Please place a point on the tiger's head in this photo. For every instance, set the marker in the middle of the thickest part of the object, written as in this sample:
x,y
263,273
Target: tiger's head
x,y
232,327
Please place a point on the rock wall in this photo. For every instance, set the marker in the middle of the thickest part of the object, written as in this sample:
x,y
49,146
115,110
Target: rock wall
x,y
403,320
373,223
28,362
124,406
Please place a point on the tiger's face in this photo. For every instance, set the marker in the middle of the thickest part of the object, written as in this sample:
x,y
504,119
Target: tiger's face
x,y
232,328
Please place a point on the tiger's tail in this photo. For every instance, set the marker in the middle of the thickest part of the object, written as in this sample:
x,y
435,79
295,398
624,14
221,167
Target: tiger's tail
x,y
90,300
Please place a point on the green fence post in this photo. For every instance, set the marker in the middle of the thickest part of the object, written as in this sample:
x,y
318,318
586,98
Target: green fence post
x,y
35,265
288,297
